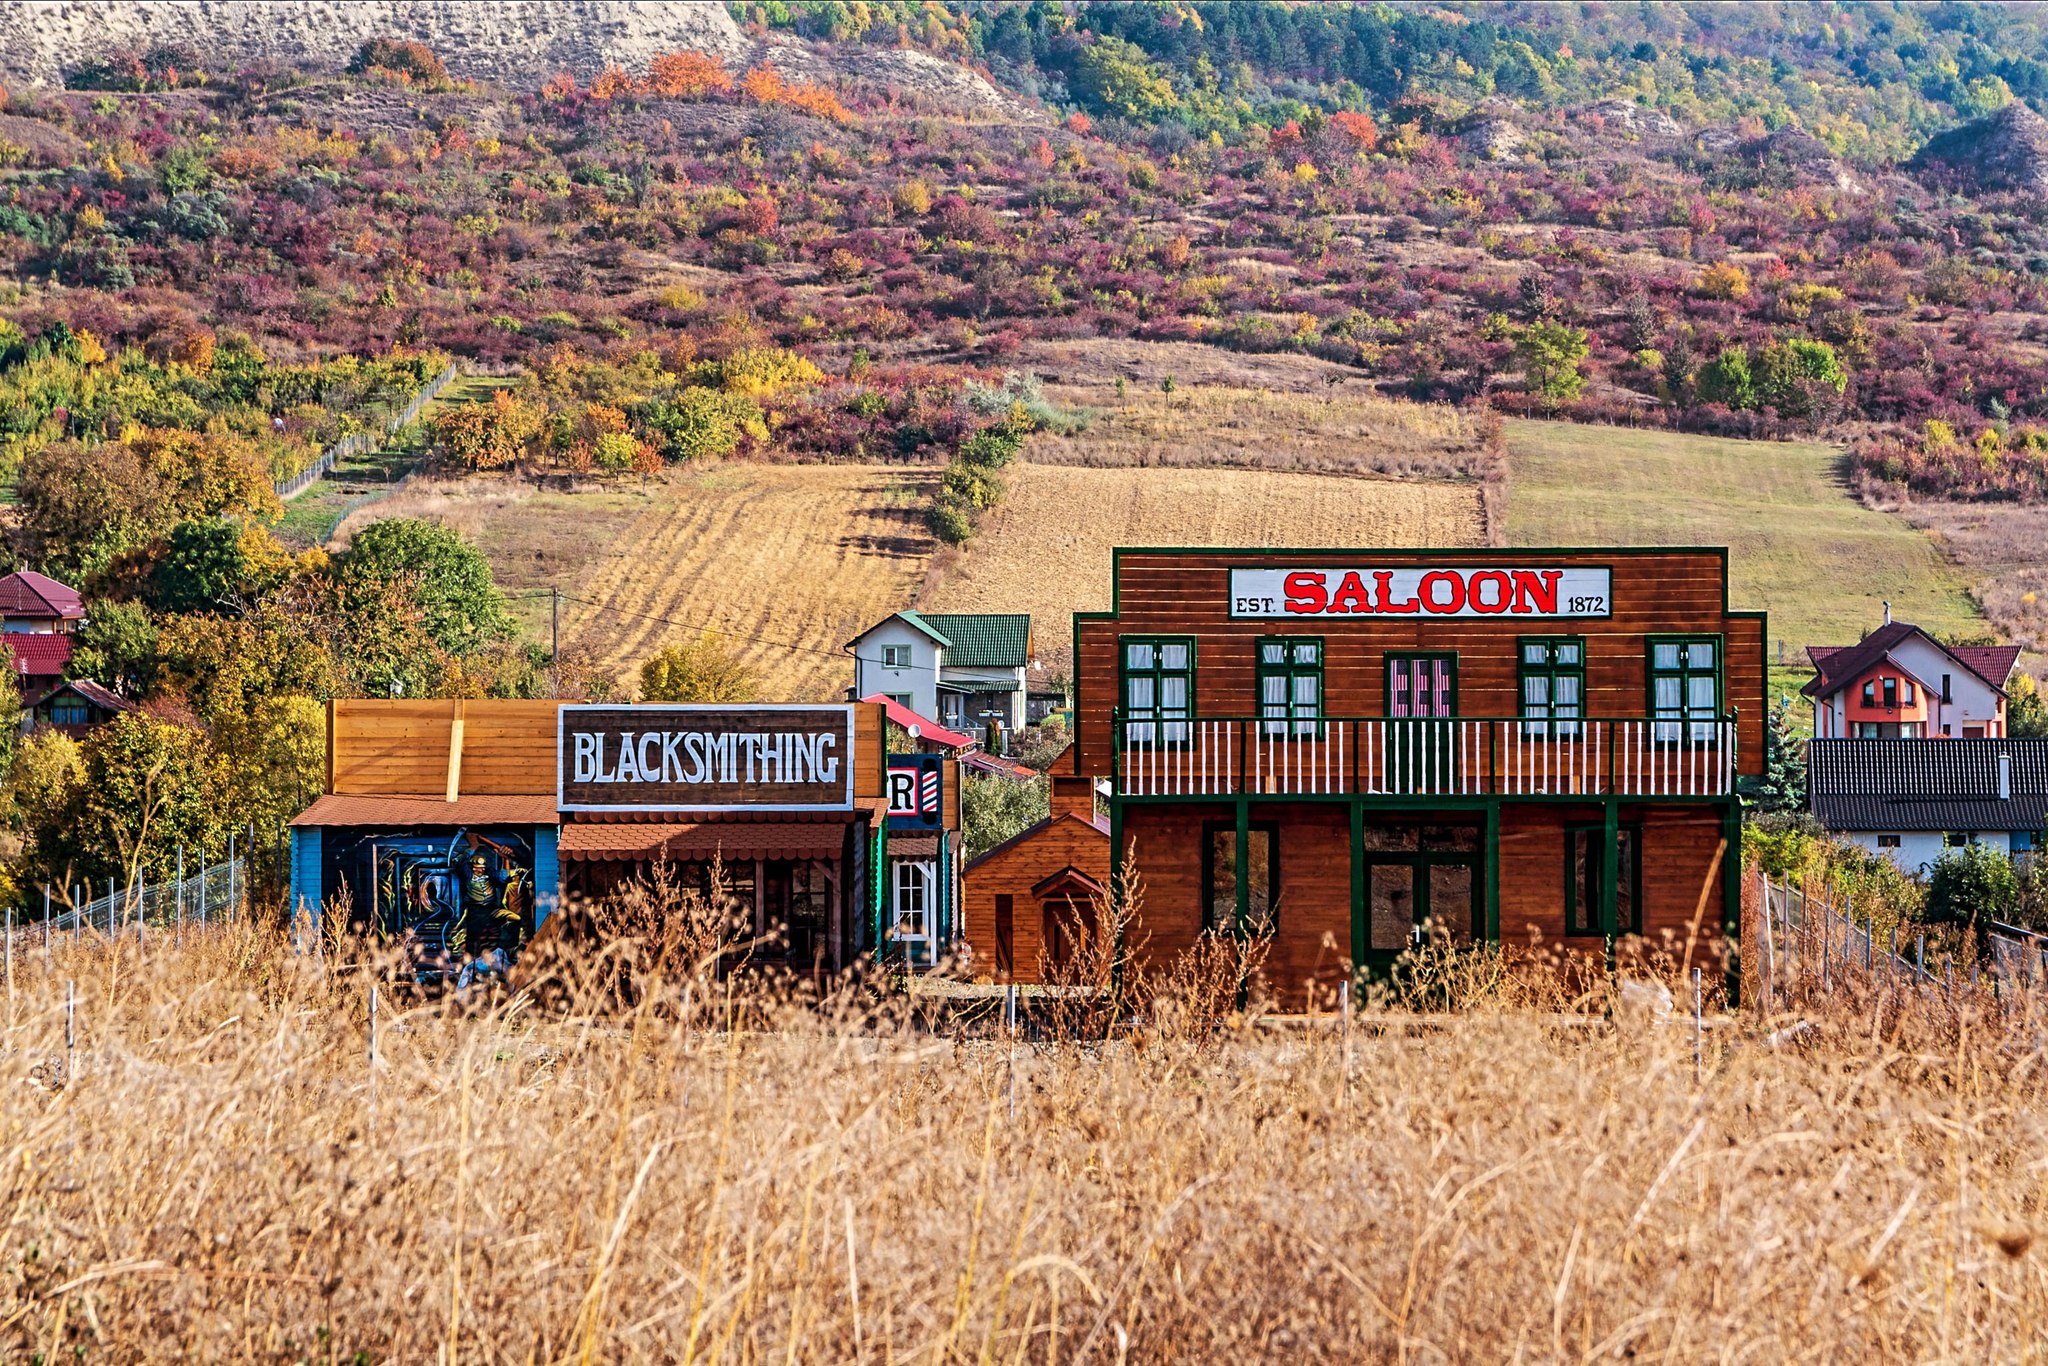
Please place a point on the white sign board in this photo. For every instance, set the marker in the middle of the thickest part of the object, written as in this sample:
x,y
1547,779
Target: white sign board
x,y
1447,591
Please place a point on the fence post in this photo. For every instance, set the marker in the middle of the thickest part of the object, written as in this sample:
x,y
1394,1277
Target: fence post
x,y
231,874
178,898
70,1032
46,920
111,931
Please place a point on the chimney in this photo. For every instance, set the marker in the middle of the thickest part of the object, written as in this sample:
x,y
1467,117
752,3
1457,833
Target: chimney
x,y
2005,777
1073,795
1887,612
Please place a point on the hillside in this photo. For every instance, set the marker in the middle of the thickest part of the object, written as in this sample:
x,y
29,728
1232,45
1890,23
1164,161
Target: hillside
x,y
2005,150
1800,546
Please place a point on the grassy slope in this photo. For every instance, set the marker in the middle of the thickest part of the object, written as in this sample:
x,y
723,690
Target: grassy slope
x,y
1801,548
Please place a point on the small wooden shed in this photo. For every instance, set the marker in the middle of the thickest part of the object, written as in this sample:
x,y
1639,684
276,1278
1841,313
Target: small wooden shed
x,y
1030,900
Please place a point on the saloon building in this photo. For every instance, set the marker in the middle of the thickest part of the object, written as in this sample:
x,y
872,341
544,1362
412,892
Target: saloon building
x,y
460,826
1354,750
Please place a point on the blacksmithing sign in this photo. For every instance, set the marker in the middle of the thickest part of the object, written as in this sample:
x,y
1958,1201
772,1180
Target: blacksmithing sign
x,y
681,757
1416,591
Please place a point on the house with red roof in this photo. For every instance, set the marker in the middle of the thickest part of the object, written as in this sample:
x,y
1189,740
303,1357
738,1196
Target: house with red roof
x,y
1900,683
38,617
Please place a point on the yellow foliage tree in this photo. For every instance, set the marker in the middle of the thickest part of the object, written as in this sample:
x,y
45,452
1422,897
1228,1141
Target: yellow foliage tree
x,y
703,670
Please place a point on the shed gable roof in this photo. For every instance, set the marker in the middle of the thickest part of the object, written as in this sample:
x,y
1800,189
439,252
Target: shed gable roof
x,y
984,640
1032,832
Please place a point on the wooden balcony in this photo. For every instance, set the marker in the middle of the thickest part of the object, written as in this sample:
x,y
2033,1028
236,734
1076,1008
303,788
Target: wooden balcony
x,y
1461,757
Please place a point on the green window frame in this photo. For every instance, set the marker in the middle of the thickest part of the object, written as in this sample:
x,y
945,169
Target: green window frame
x,y
1583,869
1156,686
1290,681
1550,679
1219,883
1685,688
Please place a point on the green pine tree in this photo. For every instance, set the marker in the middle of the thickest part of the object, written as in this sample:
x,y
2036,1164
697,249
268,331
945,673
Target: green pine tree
x,y
1784,782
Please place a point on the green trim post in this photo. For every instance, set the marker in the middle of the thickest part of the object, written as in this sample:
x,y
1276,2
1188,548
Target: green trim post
x,y
1610,877
1731,896
1244,856
1358,908
1491,842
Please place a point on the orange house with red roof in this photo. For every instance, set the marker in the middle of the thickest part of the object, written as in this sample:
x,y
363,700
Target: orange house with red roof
x,y
1900,683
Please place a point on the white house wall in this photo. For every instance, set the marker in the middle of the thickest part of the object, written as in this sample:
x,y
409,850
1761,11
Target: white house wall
x,y
1976,703
918,683
1917,849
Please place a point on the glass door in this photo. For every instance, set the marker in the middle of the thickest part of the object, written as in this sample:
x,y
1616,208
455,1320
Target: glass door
x,y
1422,697
1412,899
911,897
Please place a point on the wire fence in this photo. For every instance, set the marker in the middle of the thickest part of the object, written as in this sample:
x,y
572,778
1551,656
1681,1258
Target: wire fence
x,y
209,894
360,442
1813,946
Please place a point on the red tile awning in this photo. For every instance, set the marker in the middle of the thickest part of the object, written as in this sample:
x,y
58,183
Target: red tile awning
x,y
700,840
398,811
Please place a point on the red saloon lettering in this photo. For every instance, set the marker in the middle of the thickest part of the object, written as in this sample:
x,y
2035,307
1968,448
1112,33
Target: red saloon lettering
x,y
1449,591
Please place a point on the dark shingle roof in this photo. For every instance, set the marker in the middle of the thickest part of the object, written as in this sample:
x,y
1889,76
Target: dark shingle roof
x,y
1903,785
983,640
1838,665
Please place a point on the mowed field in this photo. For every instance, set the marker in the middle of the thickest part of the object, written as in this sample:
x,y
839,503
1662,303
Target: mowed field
x,y
1046,550
1801,548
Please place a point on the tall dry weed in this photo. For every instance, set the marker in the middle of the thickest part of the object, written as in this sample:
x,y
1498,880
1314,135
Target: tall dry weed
x,y
221,1177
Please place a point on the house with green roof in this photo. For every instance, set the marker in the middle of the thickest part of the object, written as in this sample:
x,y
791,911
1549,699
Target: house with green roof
x,y
962,669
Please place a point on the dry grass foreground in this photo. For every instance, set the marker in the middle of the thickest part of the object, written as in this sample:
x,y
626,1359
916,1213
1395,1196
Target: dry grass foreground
x,y
222,1177
1046,549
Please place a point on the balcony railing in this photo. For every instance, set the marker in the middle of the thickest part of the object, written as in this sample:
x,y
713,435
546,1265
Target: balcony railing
x,y
1463,757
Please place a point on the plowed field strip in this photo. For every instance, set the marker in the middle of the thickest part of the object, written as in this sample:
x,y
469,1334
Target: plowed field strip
x,y
1047,549
773,557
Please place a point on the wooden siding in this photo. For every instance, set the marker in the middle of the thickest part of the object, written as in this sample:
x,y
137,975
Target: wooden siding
x,y
1187,593
870,763
1014,871
380,746
1683,864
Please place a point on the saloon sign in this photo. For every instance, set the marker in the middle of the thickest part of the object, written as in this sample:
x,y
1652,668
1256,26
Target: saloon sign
x,y
1448,591
704,758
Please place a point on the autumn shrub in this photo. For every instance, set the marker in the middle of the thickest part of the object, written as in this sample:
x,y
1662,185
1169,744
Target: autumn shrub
x,y
402,60
687,75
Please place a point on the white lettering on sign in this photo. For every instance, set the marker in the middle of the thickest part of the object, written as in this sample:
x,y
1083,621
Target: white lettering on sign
x,y
1416,591
694,757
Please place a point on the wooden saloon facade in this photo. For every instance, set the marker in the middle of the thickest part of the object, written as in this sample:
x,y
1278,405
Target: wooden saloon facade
x,y
1355,750
460,826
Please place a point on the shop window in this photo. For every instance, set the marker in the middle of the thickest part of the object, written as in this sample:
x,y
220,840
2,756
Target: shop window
x,y
1584,869
1219,877
1685,687
1290,685
1552,671
895,656
1158,688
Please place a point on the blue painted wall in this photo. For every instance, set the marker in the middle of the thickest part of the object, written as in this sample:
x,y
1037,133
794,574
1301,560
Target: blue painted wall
x,y
306,886
547,873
